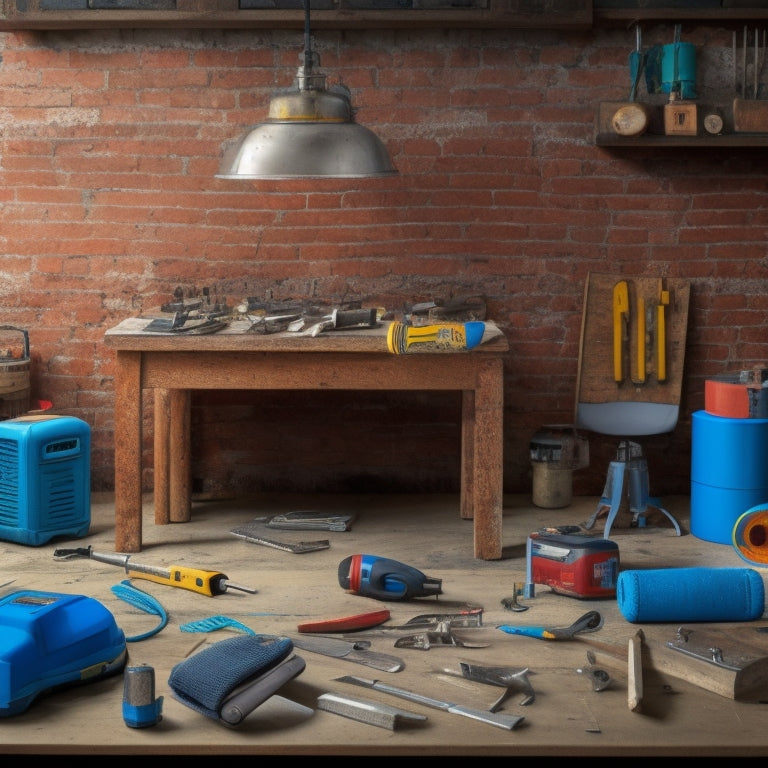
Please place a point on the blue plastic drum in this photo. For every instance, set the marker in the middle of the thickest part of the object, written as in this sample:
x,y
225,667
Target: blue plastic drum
x,y
729,473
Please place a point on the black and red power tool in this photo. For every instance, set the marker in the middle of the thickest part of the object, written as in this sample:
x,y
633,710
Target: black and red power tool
x,y
571,563
385,579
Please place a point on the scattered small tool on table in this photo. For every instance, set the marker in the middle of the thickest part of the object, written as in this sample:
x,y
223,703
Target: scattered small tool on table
x,y
299,548
385,579
599,678
442,635
209,583
366,711
589,622
346,623
358,651
511,603
512,679
507,722
635,672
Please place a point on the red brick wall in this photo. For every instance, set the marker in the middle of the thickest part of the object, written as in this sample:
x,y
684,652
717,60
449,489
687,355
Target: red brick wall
x,y
109,142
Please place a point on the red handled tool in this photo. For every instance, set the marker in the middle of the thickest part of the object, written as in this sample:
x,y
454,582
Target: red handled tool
x,y
346,623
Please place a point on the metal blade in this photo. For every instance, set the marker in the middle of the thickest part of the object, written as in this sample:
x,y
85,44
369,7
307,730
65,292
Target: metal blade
x,y
247,533
508,722
341,649
365,711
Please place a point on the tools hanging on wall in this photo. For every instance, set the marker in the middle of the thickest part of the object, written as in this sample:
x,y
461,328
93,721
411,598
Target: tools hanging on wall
x,y
750,112
645,352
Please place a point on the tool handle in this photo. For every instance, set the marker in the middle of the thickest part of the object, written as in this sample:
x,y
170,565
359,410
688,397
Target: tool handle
x,y
540,632
204,582
661,344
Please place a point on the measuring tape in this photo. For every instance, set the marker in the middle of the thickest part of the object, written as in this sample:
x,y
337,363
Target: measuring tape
x,y
750,536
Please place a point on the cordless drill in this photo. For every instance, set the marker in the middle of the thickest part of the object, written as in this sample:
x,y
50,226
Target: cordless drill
x,y
385,579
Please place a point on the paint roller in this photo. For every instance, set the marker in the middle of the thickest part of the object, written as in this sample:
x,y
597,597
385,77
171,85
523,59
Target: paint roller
x,y
691,594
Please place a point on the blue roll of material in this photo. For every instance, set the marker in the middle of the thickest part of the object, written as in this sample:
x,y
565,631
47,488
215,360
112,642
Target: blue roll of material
x,y
690,594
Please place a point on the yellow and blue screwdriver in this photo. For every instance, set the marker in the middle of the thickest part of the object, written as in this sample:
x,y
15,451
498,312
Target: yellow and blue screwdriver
x,y
209,583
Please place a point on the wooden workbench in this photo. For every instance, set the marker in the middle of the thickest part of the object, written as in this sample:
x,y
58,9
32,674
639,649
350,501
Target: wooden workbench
x,y
174,364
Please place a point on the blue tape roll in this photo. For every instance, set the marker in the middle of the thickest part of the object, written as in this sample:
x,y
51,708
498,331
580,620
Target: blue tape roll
x,y
691,594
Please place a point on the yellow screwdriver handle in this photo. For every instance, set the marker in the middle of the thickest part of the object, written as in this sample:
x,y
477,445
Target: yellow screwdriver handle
x,y
204,582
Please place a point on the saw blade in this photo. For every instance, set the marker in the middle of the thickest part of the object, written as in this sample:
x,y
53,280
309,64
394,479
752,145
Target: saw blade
x,y
299,548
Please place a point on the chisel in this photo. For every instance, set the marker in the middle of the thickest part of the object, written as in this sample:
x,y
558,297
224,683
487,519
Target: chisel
x,y
209,583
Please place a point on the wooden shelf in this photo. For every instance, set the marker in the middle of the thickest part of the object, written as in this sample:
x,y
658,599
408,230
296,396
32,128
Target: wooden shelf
x,y
628,12
289,14
651,140
605,136
628,17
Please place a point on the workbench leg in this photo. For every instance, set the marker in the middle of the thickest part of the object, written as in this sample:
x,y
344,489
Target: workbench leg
x,y
489,460
180,467
128,418
162,458
172,462
467,477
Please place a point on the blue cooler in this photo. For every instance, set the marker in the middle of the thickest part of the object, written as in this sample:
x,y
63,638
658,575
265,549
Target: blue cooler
x,y
45,478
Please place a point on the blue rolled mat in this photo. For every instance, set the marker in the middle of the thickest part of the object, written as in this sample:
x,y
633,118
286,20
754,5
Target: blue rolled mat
x,y
691,594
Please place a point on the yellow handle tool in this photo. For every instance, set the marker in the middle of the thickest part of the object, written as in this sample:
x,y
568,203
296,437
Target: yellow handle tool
x,y
620,319
209,583
661,334
639,377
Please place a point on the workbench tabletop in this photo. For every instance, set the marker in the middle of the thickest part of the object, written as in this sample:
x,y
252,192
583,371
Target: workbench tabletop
x,y
129,335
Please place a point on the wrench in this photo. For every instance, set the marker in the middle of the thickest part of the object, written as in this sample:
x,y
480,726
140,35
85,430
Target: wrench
x,y
589,622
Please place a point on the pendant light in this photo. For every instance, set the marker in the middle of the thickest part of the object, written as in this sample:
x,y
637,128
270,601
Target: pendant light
x,y
310,132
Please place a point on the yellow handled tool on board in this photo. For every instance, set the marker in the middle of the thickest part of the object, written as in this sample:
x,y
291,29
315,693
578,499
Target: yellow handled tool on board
x,y
661,334
620,320
639,376
209,583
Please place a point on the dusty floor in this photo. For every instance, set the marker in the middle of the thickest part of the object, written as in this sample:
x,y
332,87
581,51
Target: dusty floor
x,y
427,533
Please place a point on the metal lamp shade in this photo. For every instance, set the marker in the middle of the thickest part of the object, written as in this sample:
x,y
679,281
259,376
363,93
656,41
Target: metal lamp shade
x,y
311,149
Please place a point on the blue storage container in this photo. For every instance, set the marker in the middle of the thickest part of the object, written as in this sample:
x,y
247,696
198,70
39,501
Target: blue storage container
x,y
729,473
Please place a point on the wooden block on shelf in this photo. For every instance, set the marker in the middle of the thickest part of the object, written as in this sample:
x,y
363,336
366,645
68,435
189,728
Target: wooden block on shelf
x,y
681,119
750,115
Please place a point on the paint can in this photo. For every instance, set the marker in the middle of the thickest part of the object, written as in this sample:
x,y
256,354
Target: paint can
x,y
556,450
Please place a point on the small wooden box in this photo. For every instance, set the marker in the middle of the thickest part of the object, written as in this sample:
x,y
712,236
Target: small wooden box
x,y
680,119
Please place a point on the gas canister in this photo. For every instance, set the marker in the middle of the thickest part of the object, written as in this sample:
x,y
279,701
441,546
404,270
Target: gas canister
x,y
573,564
